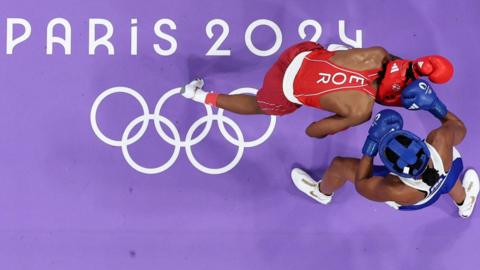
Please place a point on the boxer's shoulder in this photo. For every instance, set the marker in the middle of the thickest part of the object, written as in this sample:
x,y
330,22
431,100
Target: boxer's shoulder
x,y
442,142
361,58
440,138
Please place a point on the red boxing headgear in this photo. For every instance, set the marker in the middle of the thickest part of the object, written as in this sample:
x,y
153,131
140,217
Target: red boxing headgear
x,y
398,74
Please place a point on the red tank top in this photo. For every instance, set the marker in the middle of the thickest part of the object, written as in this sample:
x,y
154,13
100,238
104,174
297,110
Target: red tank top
x,y
318,76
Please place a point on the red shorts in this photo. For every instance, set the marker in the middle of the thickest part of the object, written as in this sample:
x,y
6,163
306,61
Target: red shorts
x,y
270,97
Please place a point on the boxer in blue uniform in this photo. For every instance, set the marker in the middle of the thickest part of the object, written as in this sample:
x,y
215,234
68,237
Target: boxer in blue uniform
x,y
415,173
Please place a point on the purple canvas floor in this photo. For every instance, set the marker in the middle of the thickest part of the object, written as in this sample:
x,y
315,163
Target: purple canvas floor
x,y
70,201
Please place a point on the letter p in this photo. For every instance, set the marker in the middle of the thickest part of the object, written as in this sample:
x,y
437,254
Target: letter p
x,y
11,41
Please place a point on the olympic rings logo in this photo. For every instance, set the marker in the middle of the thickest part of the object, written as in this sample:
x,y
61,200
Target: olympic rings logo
x,y
176,141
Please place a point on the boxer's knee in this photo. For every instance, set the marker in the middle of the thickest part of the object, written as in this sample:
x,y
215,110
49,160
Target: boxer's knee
x,y
336,168
343,168
338,163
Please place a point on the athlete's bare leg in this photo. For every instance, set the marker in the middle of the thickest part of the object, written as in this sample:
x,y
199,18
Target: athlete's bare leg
x,y
458,192
241,104
340,170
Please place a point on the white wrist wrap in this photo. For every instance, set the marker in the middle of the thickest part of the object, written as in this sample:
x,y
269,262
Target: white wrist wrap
x,y
200,96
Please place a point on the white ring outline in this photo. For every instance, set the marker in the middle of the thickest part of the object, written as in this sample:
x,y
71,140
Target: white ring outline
x,y
176,140
135,165
167,138
98,101
229,166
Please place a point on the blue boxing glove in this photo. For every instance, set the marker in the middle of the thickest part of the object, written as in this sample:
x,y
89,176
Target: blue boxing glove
x,y
419,95
385,122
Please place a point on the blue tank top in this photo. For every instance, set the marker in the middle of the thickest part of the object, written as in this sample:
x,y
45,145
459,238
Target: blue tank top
x,y
444,185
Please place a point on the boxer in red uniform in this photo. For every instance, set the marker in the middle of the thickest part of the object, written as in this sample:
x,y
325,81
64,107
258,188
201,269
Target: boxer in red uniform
x,y
346,83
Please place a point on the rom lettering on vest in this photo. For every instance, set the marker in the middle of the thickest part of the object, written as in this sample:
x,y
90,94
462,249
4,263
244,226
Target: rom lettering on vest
x,y
339,78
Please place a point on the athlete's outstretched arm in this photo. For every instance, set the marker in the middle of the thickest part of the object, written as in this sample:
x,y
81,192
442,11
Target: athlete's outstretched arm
x,y
452,128
450,133
420,95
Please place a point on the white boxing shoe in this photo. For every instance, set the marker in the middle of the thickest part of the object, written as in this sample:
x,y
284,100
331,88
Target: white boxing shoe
x,y
472,187
188,91
337,47
307,185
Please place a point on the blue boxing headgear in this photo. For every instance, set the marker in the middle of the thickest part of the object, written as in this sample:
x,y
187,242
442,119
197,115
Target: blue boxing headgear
x,y
404,153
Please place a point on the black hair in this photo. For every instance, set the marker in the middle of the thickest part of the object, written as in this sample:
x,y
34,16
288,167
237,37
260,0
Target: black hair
x,y
410,74
430,176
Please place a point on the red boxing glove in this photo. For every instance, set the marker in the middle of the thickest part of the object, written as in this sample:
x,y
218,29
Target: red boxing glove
x,y
436,67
